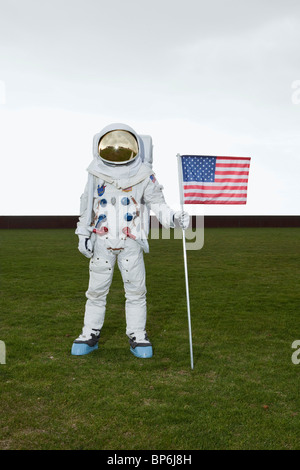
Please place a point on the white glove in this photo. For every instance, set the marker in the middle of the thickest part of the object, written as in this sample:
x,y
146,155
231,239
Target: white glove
x,y
85,246
183,219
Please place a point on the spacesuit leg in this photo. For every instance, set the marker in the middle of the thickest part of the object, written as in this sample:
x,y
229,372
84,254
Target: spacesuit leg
x,y
131,265
101,274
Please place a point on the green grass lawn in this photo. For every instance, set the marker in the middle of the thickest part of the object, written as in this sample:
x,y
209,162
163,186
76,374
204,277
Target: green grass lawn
x,y
243,392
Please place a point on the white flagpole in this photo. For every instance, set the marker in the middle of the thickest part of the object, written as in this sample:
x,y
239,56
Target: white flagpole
x,y
185,261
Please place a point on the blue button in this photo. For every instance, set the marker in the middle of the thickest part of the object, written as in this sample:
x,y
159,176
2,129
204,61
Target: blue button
x,y
125,201
103,202
128,217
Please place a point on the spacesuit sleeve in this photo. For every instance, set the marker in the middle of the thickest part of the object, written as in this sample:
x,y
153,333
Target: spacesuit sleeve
x,y
84,217
154,199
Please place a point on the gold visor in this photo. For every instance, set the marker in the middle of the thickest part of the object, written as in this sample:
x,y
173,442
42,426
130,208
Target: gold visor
x,y
118,147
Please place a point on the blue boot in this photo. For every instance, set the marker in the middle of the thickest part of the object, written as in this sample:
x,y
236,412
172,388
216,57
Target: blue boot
x,y
141,347
80,349
82,346
142,351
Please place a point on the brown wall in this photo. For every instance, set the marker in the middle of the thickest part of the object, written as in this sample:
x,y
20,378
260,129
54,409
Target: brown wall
x,y
210,221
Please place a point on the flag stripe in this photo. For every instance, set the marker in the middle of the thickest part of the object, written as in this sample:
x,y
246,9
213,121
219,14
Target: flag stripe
x,y
216,188
231,172
232,158
220,161
232,165
228,180
214,192
214,202
221,198
199,195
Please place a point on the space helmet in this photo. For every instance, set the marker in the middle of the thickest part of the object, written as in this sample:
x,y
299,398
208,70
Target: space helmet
x,y
118,147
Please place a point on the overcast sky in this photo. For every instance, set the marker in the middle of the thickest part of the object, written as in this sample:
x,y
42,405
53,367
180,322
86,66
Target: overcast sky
x,y
214,78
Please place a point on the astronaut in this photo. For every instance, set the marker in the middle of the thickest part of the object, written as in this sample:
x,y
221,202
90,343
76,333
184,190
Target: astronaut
x,y
113,227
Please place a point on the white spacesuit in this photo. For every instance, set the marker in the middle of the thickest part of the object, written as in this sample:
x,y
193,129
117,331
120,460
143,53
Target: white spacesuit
x,y
113,226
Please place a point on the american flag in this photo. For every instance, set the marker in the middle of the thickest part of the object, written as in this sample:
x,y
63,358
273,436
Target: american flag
x,y
214,180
